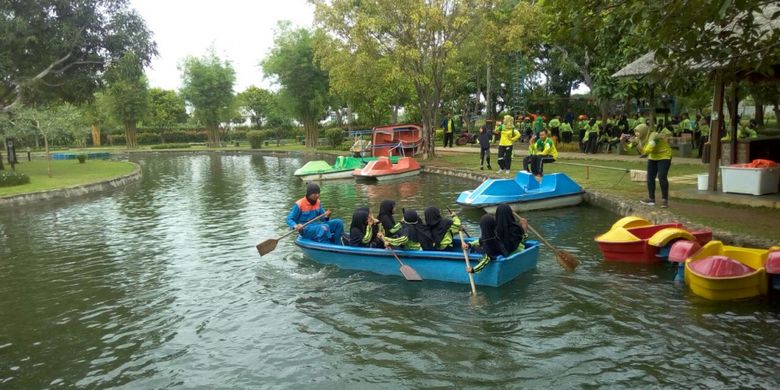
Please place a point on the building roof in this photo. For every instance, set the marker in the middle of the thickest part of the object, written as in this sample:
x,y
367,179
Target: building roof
x,y
765,25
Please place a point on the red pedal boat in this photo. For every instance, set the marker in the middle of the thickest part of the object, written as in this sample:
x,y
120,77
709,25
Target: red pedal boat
x,y
383,169
635,240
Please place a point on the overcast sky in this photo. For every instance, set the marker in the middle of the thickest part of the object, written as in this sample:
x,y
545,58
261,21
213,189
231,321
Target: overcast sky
x,y
241,31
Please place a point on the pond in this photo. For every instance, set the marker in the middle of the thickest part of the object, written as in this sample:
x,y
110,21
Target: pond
x,y
159,285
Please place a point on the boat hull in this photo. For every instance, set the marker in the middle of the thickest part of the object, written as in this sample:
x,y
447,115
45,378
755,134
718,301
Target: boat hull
x,y
386,177
524,193
729,287
345,174
639,241
542,204
446,266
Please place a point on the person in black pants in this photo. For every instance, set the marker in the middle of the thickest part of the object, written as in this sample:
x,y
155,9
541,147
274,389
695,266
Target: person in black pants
x,y
448,124
485,136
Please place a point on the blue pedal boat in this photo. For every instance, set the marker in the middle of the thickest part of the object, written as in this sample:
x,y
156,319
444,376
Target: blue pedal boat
x,y
524,193
446,266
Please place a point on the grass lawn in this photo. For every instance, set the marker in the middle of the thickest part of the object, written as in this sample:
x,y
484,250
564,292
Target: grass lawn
x,y
65,173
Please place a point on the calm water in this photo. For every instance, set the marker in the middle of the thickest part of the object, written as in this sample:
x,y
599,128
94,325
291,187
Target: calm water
x,y
159,285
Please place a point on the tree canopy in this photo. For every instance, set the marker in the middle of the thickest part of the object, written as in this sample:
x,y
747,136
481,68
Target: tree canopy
x,y
54,49
208,87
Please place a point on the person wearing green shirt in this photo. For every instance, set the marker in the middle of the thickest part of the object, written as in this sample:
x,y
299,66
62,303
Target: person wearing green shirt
x,y
590,143
538,123
542,150
413,234
441,229
659,160
448,124
704,134
566,132
555,127
508,137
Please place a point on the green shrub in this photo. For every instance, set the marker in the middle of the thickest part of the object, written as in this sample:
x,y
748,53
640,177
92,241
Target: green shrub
x,y
255,138
170,146
13,178
82,158
118,139
335,136
148,139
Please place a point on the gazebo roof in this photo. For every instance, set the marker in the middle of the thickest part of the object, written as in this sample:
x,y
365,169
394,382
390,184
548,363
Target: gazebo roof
x,y
646,64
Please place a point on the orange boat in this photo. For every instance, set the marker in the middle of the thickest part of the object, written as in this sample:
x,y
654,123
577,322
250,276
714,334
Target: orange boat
x,y
383,169
396,140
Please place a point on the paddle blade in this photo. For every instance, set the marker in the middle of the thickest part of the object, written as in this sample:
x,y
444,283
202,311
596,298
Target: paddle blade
x,y
266,246
566,260
410,274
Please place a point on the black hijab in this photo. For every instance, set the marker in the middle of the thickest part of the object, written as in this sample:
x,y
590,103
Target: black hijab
x,y
436,226
415,230
357,230
385,215
488,239
508,230
311,189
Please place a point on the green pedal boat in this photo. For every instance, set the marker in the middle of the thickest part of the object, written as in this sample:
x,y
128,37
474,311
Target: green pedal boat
x,y
341,169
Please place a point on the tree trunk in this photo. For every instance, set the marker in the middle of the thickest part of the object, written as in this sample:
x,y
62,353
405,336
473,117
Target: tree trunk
x,y
777,113
652,107
760,115
311,132
48,157
213,136
490,107
130,135
395,114
95,134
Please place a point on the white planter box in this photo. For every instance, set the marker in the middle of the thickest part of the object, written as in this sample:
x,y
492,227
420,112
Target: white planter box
x,y
754,181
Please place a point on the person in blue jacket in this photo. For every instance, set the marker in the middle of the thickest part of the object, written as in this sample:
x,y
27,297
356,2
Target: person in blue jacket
x,y
308,208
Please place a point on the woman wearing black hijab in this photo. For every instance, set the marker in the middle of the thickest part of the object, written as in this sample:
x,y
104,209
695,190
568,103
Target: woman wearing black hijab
x,y
488,243
388,225
413,234
363,230
441,229
508,229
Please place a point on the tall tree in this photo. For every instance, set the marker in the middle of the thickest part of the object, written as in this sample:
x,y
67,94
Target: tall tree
x,y
129,93
208,86
166,109
420,37
52,123
54,49
304,84
256,103
97,112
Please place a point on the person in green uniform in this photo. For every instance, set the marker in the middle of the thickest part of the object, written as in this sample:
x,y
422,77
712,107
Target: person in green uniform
x,y
413,235
441,229
555,128
448,124
387,225
508,137
541,150
659,160
566,132
363,231
704,134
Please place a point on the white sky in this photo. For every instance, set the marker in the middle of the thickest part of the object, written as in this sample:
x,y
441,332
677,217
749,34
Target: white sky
x,y
241,31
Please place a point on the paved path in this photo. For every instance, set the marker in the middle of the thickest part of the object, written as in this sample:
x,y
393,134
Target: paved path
x,y
521,150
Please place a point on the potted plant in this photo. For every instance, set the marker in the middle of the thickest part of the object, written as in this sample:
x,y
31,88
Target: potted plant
x,y
82,158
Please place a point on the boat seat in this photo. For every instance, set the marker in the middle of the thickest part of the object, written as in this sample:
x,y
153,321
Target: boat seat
x,y
720,266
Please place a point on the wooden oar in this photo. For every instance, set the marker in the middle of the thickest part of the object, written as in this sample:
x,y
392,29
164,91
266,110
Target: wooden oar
x,y
408,272
565,259
270,244
468,263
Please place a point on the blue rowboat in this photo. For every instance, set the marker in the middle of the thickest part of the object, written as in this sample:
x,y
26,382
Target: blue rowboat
x,y
447,266
524,193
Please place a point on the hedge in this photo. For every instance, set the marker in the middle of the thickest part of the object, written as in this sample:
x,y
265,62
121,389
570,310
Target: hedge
x,y
255,138
13,178
170,146
335,136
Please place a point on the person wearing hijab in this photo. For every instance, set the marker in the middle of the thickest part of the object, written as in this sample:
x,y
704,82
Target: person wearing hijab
x,y
413,234
509,230
388,226
308,208
440,229
363,231
659,159
488,243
